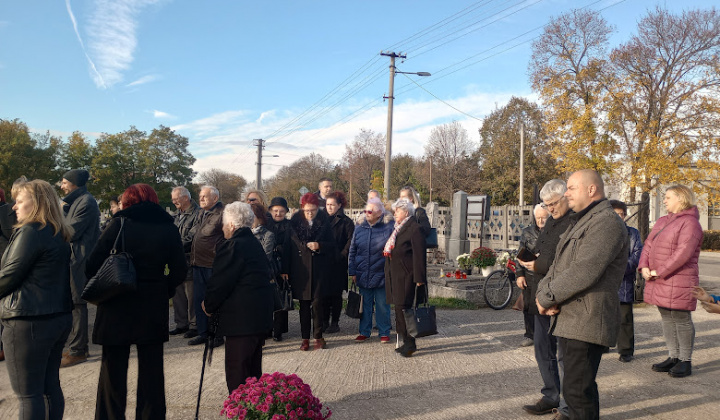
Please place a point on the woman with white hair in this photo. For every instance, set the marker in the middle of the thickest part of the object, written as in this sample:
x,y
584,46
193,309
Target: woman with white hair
x,y
405,269
240,294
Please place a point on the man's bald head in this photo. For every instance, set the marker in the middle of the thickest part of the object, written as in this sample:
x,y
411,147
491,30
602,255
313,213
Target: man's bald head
x,y
584,187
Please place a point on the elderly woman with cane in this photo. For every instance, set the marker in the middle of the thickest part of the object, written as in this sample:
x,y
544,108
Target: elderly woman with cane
x,y
405,269
240,294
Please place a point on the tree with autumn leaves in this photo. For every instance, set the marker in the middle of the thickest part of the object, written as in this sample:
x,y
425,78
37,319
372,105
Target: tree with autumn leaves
x,y
645,114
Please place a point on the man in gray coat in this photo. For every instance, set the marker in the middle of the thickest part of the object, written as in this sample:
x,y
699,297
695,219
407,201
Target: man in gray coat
x,y
580,290
82,216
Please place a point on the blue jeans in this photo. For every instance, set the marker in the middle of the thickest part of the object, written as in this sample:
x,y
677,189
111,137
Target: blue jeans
x,y
375,297
33,349
200,277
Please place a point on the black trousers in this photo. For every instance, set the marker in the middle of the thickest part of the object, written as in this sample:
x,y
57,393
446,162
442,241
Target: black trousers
x,y
33,349
112,385
311,310
243,359
280,323
626,334
400,325
332,308
529,320
581,361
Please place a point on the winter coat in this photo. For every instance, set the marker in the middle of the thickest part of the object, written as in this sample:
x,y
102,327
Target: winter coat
x,y
528,240
584,279
140,317
207,237
545,245
82,216
422,219
186,222
239,290
267,242
627,287
366,260
343,228
35,274
406,265
308,270
672,249
280,230
7,221
321,200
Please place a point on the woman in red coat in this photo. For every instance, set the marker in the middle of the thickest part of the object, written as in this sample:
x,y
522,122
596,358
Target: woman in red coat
x,y
669,264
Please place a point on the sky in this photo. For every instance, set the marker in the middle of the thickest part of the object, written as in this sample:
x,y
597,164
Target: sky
x,y
305,76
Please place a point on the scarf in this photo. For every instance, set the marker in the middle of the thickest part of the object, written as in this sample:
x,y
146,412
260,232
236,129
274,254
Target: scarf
x,y
390,244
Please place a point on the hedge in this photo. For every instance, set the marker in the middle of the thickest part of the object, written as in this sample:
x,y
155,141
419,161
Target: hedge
x,y
711,240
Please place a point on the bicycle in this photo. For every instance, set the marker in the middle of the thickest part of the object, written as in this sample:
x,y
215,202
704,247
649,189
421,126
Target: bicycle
x,y
498,288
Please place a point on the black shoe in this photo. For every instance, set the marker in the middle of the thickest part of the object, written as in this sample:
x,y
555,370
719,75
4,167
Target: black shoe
x,y
197,341
540,407
665,366
625,358
407,349
218,341
178,331
277,337
681,370
191,333
333,328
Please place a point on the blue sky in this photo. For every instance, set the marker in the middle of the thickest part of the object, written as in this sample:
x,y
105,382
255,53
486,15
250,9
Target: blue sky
x,y
224,72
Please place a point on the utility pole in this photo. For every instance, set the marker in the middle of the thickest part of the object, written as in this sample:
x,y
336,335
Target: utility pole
x,y
388,136
522,164
260,143
431,168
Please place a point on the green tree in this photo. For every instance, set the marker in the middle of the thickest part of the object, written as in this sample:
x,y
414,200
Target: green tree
x,y
499,152
24,154
76,152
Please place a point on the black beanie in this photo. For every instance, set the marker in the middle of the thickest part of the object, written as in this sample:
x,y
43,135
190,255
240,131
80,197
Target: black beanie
x,y
79,177
278,201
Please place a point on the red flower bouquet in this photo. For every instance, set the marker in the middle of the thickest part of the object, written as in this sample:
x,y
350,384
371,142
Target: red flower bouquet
x,y
274,397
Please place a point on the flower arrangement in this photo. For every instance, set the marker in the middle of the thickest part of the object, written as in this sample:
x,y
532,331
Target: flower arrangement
x,y
503,258
483,257
464,262
274,397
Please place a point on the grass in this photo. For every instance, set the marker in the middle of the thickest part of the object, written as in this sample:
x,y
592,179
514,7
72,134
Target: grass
x,y
451,303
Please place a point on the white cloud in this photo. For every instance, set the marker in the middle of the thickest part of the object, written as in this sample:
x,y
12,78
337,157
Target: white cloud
x,y
162,115
111,33
225,140
145,79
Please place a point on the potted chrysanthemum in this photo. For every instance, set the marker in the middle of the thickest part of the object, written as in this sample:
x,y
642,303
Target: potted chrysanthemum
x,y
484,258
464,263
274,396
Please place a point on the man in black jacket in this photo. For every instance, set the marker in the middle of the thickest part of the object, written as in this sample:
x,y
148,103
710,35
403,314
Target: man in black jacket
x,y
554,201
82,216
187,217
202,254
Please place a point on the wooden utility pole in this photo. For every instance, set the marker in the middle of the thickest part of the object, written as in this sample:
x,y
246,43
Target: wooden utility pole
x,y
522,164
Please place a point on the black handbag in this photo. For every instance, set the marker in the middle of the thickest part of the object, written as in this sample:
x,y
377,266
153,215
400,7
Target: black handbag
x,y
354,303
420,320
286,299
431,240
116,275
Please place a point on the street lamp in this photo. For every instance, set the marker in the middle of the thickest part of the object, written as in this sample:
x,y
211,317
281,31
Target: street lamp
x,y
388,137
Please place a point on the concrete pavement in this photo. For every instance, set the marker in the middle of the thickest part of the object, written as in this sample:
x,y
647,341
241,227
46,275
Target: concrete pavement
x,y
472,369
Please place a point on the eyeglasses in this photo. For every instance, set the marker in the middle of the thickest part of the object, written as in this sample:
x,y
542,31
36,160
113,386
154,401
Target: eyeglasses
x,y
369,211
252,200
551,205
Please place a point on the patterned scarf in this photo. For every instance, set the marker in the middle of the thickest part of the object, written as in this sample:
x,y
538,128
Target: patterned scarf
x,y
391,241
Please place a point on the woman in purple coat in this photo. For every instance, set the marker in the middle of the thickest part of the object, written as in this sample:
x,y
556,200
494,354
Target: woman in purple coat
x,y
669,264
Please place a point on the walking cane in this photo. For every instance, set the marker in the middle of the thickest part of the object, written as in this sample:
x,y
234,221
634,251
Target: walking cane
x,y
207,355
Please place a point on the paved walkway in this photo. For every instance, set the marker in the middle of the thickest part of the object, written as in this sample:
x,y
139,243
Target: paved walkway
x,y
472,369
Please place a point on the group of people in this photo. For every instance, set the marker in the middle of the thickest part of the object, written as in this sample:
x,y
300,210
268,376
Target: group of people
x,y
222,265
579,287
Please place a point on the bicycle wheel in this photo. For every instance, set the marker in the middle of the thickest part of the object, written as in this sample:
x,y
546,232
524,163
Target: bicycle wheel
x,y
498,290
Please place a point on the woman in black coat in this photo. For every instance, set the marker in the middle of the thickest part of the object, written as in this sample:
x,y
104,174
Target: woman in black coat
x,y
410,194
405,269
308,252
140,317
279,225
343,228
239,293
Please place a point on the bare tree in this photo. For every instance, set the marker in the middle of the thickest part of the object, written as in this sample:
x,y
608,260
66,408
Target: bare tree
x,y
304,172
362,157
453,167
229,184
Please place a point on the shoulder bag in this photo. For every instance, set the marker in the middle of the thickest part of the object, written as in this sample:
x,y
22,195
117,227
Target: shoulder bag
x,y
116,275
420,320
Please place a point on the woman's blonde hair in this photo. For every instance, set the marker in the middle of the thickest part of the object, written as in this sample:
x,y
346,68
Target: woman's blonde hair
x,y
685,194
46,206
